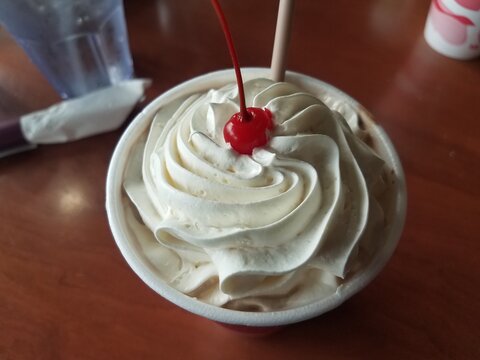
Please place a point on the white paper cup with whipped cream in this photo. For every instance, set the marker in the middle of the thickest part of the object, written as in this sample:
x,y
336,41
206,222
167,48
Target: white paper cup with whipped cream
x,y
263,241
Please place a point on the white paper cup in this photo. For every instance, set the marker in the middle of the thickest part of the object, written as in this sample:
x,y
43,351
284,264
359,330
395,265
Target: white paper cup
x,y
131,250
453,28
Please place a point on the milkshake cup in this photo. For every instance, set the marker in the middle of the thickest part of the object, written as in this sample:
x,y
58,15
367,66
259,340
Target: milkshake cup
x,y
117,204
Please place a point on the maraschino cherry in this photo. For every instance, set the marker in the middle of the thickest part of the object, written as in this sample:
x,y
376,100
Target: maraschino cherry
x,y
250,127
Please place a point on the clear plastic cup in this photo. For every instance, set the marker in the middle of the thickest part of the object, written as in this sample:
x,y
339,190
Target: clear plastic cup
x,y
79,45
244,321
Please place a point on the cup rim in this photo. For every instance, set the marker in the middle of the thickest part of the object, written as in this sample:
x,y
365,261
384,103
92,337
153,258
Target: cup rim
x,y
139,264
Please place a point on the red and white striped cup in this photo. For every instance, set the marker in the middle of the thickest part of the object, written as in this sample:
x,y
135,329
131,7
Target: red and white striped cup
x,y
453,28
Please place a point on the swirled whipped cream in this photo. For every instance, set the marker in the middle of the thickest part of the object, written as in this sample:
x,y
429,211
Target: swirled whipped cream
x,y
274,230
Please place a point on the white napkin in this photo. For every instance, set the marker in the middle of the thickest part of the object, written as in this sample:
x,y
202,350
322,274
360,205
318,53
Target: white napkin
x,y
97,112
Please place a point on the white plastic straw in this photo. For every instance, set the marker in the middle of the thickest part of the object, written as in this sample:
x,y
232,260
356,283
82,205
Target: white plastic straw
x,y
282,38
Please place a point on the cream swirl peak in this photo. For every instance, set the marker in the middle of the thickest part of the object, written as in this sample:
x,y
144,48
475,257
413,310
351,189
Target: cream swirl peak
x,y
242,231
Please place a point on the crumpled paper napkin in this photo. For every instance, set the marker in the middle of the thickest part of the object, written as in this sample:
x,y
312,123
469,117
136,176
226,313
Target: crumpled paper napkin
x,y
97,112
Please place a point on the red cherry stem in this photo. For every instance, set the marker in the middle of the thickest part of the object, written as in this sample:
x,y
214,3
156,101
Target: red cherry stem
x,y
245,116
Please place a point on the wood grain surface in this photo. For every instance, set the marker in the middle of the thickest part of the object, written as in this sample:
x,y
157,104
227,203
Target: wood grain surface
x,y
67,293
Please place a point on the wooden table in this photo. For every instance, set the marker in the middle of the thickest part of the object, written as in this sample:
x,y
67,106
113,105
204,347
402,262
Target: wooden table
x,y
67,293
